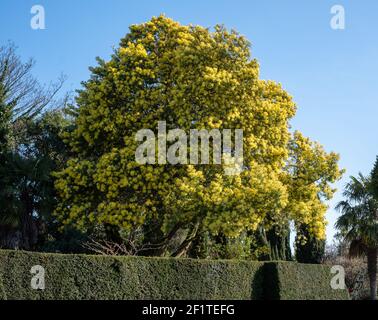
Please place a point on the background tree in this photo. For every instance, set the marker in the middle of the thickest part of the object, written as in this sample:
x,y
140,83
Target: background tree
x,y
27,155
5,120
21,92
279,243
374,180
307,175
27,192
311,250
358,224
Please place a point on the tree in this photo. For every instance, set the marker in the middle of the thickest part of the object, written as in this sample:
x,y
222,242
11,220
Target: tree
x,y
307,175
374,180
26,158
358,224
279,243
27,193
193,79
5,120
310,250
20,91
310,173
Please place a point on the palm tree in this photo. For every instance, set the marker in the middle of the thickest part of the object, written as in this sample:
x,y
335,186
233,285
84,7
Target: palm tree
x,y
358,224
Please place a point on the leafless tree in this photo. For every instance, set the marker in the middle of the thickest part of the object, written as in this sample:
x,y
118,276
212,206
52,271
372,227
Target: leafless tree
x,y
20,90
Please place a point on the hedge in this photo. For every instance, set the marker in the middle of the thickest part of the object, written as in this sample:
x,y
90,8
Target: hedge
x,y
298,281
107,277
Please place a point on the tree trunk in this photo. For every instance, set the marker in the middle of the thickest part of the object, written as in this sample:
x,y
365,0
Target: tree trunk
x,y
372,271
184,246
27,223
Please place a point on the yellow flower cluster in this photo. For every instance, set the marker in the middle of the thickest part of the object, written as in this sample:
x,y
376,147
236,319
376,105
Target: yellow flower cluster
x,y
192,79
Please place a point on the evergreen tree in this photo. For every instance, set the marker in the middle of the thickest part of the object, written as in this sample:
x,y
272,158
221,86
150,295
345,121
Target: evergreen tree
x,y
308,249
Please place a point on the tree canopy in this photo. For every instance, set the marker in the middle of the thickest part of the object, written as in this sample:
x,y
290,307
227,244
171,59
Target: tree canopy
x,y
192,78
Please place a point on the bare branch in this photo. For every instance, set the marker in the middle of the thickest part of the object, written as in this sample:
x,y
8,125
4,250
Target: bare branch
x,y
20,90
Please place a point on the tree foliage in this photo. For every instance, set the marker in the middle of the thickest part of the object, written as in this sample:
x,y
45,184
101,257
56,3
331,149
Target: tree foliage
x,y
374,180
193,79
30,148
20,90
358,223
312,250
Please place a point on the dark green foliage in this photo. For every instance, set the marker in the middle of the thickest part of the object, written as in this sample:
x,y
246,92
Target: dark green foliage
x,y
272,244
27,192
5,120
310,251
207,246
374,180
127,277
358,223
279,241
67,241
30,149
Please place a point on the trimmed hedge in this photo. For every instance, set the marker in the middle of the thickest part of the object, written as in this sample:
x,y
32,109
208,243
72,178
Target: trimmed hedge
x,y
297,281
106,277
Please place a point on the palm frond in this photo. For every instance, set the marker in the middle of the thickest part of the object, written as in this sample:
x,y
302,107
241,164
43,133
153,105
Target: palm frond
x,y
357,248
358,221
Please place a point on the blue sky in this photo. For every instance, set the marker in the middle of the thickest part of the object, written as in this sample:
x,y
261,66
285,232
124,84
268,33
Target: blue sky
x,y
330,73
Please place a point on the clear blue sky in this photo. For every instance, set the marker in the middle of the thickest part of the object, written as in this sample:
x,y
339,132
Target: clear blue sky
x,y
332,74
